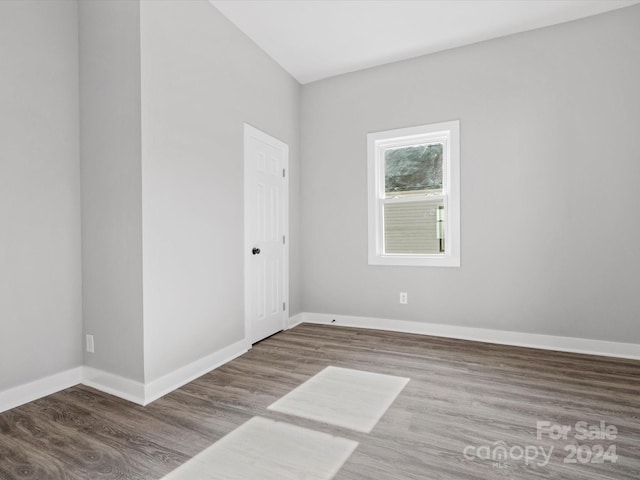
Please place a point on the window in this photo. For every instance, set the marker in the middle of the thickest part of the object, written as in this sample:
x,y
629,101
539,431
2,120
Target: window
x,y
414,196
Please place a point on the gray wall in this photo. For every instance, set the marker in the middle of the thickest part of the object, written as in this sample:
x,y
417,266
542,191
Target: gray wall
x,y
40,305
165,88
550,169
201,79
110,138
550,156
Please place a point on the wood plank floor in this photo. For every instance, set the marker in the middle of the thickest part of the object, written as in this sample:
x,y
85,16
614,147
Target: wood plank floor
x,y
460,394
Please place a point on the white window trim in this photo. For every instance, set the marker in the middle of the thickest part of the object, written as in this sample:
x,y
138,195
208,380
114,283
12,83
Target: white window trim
x,y
446,132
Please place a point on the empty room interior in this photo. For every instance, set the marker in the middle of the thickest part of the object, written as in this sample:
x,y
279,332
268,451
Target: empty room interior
x,y
319,239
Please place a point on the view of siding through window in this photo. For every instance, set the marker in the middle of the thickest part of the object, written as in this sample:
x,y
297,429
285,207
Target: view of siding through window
x,y
413,223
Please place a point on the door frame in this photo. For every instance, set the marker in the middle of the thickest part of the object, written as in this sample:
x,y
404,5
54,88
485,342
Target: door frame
x,y
252,132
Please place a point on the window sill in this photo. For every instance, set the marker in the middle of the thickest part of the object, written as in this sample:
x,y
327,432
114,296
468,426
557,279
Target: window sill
x,y
415,260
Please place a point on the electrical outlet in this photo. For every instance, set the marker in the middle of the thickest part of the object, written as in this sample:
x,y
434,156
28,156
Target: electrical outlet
x,y
90,346
403,298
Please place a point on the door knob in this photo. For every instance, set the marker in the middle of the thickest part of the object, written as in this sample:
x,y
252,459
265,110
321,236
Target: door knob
x,y
255,251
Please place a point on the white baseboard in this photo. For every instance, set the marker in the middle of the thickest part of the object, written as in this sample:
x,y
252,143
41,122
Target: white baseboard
x,y
502,337
16,396
296,319
184,375
115,385
142,394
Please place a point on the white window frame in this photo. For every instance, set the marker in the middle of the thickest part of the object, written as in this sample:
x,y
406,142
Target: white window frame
x,y
447,133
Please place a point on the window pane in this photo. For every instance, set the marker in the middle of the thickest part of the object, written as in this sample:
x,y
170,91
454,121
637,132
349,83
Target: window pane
x,y
414,227
413,169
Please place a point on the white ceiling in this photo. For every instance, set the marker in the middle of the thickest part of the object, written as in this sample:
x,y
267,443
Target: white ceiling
x,y
315,39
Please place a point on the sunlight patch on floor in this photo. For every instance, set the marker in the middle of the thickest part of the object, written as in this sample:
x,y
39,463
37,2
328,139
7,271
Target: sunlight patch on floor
x,y
347,398
268,450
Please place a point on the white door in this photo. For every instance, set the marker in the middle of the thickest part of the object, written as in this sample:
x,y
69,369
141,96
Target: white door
x,y
266,228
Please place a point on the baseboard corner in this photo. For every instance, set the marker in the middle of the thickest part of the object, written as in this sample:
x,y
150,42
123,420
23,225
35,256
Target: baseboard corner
x,y
31,391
